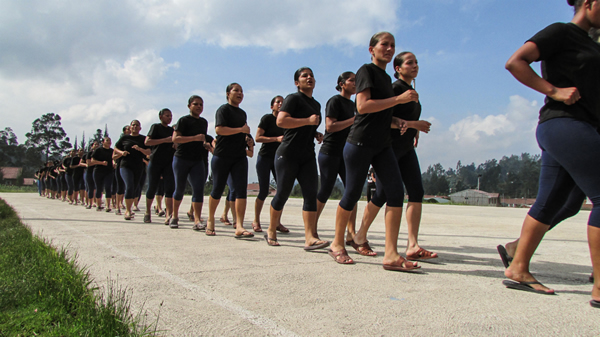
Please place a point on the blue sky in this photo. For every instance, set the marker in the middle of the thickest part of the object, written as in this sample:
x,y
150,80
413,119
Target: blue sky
x,y
113,61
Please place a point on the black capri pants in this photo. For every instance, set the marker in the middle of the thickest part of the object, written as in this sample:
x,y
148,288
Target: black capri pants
x,y
302,167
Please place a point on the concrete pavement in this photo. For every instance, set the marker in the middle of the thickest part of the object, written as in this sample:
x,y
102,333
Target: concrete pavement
x,y
222,286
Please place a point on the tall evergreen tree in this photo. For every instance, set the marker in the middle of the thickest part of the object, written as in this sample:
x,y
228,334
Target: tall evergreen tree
x,y
48,136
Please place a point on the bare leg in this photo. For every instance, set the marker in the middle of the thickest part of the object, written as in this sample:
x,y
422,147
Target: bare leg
x,y
175,213
531,235
413,218
275,219
169,207
258,205
159,199
341,220
239,205
392,228
594,243
351,228
369,215
128,204
212,208
197,212
310,228
149,206
225,212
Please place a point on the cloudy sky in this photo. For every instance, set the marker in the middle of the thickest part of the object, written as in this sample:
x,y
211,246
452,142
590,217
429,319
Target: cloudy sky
x,y
107,62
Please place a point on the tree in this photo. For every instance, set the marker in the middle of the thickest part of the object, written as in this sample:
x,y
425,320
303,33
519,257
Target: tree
x,y
48,136
106,130
82,144
8,147
97,137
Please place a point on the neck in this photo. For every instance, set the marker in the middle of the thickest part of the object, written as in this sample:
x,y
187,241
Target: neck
x,y
233,104
275,112
581,20
381,64
345,94
135,133
307,91
195,116
407,79
164,124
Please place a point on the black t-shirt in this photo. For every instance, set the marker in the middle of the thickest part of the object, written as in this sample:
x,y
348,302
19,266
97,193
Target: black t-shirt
x,y
570,58
86,159
163,152
268,123
340,108
410,111
302,139
189,126
204,151
233,145
373,129
102,154
66,163
78,171
135,159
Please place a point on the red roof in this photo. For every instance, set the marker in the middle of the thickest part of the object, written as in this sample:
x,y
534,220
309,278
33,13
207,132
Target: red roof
x,y
11,172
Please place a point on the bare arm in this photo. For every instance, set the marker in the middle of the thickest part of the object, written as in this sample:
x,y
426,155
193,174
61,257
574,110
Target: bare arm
x,y
286,121
261,138
152,142
366,105
142,150
98,162
179,139
423,126
227,131
333,125
519,65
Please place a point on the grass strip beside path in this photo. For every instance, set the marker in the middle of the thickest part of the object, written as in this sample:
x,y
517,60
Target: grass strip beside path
x,y
43,291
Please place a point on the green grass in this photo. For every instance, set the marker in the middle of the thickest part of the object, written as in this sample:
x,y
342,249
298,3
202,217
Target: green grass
x,y
44,292
18,189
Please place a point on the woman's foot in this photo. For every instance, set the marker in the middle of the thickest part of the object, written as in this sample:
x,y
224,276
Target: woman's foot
x,y
256,227
225,221
526,278
417,253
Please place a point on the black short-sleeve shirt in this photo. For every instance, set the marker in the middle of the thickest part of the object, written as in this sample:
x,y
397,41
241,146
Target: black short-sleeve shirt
x,y
135,159
410,111
78,170
233,145
162,152
268,123
373,129
102,154
570,58
67,164
302,139
189,126
340,108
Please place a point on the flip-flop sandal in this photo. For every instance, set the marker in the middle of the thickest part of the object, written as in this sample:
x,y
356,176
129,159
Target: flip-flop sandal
x,y
257,228
244,235
595,304
281,228
363,248
174,223
316,245
190,216
147,218
421,254
525,286
271,242
225,221
401,265
341,256
210,232
161,213
199,227
506,259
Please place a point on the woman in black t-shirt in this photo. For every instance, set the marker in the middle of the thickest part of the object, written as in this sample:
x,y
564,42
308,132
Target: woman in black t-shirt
x,y
567,133
103,173
369,143
189,162
120,186
132,151
88,176
339,117
406,70
78,169
300,116
160,137
229,157
271,136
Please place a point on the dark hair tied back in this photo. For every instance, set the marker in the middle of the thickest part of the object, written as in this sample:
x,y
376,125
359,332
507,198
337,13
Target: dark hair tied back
x,y
342,79
398,61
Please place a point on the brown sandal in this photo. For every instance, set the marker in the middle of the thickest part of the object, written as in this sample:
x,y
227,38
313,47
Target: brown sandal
x,y
256,227
340,256
421,254
401,265
363,248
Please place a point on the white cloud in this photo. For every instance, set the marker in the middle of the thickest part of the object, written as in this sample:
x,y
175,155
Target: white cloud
x,y
140,71
477,139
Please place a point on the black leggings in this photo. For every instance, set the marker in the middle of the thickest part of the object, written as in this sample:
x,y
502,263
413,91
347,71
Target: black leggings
x,y
133,180
330,167
570,159
291,167
411,177
155,171
103,178
264,165
120,182
192,171
358,159
222,167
